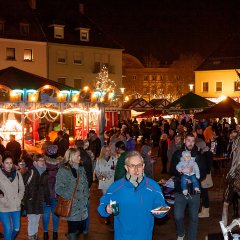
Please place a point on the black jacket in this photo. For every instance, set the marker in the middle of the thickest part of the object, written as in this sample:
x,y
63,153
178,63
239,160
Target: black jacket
x,y
199,159
36,192
87,164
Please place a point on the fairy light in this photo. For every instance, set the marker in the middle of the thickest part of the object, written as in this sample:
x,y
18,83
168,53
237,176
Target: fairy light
x,y
104,84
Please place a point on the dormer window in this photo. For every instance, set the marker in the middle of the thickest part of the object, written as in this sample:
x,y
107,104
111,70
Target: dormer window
x,y
58,31
24,28
84,34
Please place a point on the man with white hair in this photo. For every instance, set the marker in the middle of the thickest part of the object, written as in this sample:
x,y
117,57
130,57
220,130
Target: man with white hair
x,y
131,201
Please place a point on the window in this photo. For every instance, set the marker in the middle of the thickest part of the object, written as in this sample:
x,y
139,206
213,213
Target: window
x,y
154,77
100,60
161,77
59,32
10,54
2,27
205,86
62,80
145,77
78,58
61,56
237,86
28,55
134,77
84,34
218,86
24,28
78,83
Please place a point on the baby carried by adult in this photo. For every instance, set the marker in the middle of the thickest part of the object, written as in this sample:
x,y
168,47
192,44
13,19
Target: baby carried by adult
x,y
187,161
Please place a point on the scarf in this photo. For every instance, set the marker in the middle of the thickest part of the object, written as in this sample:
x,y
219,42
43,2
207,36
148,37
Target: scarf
x,y
10,175
134,180
40,170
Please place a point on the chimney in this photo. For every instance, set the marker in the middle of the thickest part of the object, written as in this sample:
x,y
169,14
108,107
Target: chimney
x,y
32,4
81,8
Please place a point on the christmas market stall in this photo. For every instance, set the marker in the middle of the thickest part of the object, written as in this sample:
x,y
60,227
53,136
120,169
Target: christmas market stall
x,y
226,108
188,104
32,107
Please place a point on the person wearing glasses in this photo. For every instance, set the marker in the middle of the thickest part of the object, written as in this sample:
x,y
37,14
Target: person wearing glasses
x,y
131,200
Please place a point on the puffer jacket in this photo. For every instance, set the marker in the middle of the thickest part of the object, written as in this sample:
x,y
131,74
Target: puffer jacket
x,y
65,185
12,192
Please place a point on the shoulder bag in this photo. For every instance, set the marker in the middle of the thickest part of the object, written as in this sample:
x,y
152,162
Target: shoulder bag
x,y
64,206
207,182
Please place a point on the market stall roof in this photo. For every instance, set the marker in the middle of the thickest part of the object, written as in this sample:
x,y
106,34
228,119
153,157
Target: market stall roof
x,y
139,104
159,103
189,103
15,78
150,113
226,108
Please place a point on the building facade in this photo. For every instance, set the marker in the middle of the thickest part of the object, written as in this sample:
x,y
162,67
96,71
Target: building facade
x,y
57,41
218,76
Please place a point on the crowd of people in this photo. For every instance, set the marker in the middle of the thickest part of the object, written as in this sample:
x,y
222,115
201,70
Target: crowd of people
x,y
122,166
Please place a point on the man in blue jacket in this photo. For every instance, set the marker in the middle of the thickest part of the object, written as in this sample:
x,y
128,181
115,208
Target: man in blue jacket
x,y
135,195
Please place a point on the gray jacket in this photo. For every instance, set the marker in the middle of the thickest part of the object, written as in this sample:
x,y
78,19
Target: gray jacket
x,y
65,184
190,163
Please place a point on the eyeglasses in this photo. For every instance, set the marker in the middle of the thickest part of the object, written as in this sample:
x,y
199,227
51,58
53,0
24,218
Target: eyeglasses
x,y
133,166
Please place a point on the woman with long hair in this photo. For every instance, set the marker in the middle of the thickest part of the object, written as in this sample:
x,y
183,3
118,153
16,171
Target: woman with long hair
x,y
105,169
11,193
66,181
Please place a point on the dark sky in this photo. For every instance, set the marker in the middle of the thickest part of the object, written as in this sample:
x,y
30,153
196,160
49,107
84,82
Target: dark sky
x,y
167,28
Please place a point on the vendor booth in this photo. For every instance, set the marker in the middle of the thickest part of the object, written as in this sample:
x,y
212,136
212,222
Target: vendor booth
x,y
32,107
226,108
188,103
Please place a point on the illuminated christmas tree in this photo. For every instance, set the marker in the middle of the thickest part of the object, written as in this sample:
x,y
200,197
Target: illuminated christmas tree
x,y
104,85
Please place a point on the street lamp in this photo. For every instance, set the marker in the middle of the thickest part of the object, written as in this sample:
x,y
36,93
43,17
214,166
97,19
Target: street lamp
x,y
191,85
122,89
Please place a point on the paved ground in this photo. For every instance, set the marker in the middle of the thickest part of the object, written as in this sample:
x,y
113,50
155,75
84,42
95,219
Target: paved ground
x,y
164,229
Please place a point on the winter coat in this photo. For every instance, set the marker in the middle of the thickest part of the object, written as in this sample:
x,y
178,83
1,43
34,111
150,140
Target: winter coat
x,y
95,145
120,169
62,146
52,169
135,220
199,159
65,184
147,161
12,192
105,172
36,192
130,144
87,164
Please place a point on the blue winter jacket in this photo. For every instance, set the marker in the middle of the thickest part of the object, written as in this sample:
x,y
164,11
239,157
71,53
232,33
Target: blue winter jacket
x,y
135,220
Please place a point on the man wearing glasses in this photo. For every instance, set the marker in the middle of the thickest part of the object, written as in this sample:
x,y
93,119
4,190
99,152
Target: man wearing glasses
x,y
131,201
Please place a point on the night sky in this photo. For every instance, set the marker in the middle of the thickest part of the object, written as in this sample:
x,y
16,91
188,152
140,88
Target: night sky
x,y
167,28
